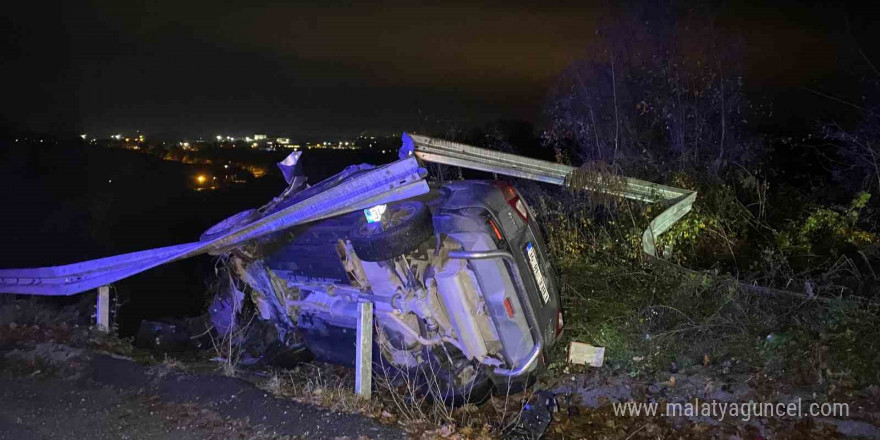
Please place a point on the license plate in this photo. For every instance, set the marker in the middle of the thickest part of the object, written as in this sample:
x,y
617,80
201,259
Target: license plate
x,y
532,255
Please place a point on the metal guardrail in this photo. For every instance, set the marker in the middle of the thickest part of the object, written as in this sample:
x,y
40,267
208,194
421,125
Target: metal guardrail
x,y
399,180
396,181
466,156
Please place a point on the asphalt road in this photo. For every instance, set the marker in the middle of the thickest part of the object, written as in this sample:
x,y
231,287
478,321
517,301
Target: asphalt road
x,y
96,396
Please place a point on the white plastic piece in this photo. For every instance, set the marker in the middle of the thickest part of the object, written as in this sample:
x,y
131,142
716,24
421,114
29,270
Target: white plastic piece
x,y
586,354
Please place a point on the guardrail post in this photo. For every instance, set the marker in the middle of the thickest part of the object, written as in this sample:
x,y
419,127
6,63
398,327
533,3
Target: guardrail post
x,y
364,350
102,317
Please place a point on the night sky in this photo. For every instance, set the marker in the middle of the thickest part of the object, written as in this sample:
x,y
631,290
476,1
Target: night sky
x,y
338,68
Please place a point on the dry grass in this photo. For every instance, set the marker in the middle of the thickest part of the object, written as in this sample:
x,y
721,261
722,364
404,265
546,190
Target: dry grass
x,y
395,400
171,363
229,347
411,394
321,384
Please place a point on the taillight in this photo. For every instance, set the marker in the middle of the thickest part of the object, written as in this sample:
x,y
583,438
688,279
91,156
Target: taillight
x,y
513,199
496,230
560,324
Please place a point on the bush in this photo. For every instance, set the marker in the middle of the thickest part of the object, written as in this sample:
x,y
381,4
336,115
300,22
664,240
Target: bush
x,y
649,316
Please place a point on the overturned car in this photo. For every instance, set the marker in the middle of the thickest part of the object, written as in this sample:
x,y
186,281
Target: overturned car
x,y
459,278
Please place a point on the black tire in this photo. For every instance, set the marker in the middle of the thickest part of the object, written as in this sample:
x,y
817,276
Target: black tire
x,y
409,226
506,387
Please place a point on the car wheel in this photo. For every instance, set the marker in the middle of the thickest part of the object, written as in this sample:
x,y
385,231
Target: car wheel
x,y
506,387
407,225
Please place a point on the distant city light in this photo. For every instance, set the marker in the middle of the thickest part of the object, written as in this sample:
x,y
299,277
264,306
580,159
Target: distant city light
x,y
201,178
226,166
83,136
219,138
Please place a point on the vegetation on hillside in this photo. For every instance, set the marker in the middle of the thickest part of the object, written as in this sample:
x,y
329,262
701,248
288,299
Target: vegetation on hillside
x,y
786,269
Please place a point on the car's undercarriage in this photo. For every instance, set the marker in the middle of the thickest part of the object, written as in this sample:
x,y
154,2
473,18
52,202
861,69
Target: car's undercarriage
x,y
429,307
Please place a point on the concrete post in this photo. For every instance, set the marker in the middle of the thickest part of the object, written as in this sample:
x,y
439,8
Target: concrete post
x,y
364,350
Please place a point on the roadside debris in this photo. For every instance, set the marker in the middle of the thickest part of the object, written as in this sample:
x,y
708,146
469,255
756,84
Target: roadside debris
x,y
586,354
174,335
535,418
162,336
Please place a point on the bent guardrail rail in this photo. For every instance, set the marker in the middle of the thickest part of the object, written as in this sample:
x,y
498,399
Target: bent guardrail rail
x,y
396,181
452,153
